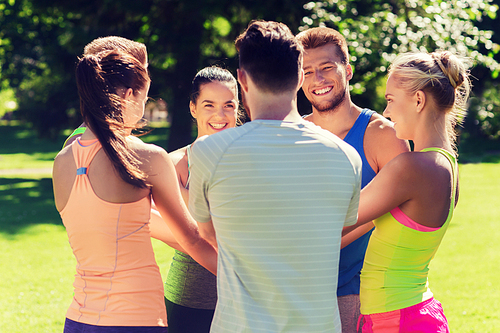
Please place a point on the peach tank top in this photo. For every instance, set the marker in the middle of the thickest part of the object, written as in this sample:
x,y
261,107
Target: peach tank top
x,y
117,281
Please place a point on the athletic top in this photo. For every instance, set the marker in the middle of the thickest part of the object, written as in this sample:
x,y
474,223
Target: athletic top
x,y
278,194
77,131
188,283
117,281
352,256
396,266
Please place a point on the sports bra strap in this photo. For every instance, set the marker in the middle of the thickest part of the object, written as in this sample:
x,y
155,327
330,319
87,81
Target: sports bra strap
x,y
83,153
77,131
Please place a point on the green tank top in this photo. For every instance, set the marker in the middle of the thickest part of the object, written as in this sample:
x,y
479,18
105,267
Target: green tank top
x,y
188,283
396,266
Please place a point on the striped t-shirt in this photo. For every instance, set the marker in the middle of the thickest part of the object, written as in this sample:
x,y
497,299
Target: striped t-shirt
x,y
278,194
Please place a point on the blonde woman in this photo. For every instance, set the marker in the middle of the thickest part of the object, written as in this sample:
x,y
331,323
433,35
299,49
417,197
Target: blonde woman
x,y
413,197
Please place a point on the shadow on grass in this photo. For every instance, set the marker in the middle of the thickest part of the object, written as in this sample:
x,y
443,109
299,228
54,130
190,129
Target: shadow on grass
x,y
28,200
492,157
25,202
20,139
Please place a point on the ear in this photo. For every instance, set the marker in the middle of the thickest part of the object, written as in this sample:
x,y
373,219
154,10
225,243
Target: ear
x,y
420,99
301,79
128,94
192,109
348,69
242,79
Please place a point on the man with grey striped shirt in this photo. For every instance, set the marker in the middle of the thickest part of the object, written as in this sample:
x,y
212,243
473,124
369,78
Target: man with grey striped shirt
x,y
273,195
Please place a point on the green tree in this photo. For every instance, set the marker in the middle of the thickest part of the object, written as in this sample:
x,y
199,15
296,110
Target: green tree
x,y
41,39
35,62
376,31
182,41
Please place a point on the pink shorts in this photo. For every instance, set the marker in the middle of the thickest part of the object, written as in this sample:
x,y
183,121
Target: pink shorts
x,y
427,316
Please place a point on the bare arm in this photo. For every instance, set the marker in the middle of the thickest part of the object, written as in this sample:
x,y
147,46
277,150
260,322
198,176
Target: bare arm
x,y
350,236
62,180
389,189
170,204
159,230
381,144
207,231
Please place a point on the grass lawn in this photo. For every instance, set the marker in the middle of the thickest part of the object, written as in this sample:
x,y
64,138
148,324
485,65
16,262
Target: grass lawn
x,y
465,268
37,266
36,262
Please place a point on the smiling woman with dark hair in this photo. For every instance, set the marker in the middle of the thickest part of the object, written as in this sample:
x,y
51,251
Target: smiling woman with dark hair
x,y
191,290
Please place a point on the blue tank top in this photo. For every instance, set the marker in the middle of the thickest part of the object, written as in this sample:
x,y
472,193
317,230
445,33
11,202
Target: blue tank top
x,y
353,255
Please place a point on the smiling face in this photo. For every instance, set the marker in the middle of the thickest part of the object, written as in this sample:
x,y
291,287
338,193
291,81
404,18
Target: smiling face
x,y
401,108
216,107
326,78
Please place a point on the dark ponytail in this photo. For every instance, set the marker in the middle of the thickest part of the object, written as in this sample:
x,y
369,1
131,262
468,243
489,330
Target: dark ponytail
x,y
98,78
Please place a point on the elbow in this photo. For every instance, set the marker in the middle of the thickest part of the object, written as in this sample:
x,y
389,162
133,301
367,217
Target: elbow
x,y
209,237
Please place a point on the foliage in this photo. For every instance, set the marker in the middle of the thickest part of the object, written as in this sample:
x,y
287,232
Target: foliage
x,y
32,59
40,41
376,31
7,101
486,109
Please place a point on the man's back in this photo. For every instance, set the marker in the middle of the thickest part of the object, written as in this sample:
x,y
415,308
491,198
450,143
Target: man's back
x,y
278,194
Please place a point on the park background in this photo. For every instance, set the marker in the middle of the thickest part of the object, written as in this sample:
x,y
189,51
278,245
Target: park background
x,y
40,41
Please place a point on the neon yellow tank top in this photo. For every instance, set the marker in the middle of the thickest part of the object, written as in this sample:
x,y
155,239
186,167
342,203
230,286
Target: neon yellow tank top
x,y
396,266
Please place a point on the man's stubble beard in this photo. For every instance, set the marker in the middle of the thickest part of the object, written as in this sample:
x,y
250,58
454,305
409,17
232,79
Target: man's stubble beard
x,y
331,105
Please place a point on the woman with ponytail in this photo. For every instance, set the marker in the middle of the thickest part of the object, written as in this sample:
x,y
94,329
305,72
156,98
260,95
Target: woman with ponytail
x,y
413,197
103,187
190,290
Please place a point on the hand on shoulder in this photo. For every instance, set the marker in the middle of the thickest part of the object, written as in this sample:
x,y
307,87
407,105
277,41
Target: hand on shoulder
x,y
380,142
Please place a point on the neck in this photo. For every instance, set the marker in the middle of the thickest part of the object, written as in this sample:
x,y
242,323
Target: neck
x,y
431,132
339,120
274,106
88,135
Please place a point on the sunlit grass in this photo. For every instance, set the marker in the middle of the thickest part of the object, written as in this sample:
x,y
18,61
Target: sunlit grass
x,y
465,271
22,160
37,269
37,266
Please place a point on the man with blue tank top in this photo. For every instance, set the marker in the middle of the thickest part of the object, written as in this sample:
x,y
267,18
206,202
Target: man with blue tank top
x,y
326,85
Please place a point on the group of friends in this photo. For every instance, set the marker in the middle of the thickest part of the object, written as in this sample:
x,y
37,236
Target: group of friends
x,y
318,223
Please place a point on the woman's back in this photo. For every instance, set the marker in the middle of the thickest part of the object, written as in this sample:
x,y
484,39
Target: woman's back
x,y
396,266
430,188
118,282
105,181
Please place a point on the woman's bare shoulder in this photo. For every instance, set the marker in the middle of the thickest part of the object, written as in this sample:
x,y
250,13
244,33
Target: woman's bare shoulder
x,y
144,149
418,167
179,156
64,156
